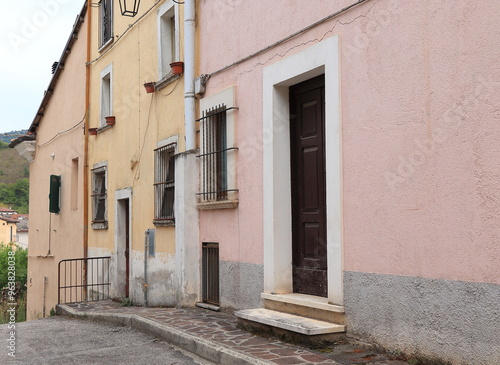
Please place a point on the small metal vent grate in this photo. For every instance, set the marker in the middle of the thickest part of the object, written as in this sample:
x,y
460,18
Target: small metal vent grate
x,y
210,272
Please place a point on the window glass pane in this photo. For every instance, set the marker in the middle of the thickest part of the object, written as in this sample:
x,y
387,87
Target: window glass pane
x,y
167,42
105,98
105,12
99,196
164,183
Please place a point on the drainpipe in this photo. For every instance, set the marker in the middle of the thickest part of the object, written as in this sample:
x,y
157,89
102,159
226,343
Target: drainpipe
x,y
146,240
45,279
50,233
189,69
86,136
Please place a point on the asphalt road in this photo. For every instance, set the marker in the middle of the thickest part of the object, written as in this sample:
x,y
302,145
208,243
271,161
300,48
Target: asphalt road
x,y
61,340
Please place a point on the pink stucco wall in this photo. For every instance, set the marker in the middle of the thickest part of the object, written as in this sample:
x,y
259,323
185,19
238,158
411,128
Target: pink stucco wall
x,y
420,84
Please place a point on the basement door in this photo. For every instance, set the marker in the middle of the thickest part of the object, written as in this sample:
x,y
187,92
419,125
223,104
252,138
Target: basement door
x,y
308,187
123,218
127,249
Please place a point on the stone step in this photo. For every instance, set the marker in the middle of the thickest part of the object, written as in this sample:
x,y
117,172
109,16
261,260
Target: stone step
x,y
305,306
289,322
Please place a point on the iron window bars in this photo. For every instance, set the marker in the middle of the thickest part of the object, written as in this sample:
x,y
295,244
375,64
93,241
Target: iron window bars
x,y
106,21
213,155
164,184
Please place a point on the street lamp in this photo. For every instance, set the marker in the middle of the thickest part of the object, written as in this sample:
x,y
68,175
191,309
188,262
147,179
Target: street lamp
x,y
129,7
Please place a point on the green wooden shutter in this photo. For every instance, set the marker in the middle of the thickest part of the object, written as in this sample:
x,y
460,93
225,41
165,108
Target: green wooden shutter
x,y
54,197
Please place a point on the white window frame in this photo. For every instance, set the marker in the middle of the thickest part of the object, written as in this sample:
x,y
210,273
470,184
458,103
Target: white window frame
x,y
167,11
106,104
225,97
97,169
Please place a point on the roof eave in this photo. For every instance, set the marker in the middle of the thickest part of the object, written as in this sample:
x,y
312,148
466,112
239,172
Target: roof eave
x,y
60,66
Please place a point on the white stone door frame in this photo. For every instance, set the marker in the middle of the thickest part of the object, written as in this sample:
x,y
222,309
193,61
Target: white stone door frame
x,y
118,274
321,58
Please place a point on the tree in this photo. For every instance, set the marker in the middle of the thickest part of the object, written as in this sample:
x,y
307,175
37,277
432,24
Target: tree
x,y
20,265
16,195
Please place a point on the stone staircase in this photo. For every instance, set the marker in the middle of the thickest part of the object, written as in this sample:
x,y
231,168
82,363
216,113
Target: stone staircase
x,y
296,315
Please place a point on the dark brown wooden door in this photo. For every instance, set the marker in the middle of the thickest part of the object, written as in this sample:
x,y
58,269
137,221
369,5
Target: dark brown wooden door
x,y
308,179
127,248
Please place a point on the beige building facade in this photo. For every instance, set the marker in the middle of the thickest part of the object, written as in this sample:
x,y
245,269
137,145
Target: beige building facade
x,y
54,146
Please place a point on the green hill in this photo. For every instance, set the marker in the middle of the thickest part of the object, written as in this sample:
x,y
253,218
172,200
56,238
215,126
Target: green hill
x,y
14,183
12,166
8,136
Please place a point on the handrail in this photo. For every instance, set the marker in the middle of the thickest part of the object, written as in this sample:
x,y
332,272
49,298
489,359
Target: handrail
x,y
83,279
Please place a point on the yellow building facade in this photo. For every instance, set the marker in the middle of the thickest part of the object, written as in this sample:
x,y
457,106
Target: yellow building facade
x,y
8,230
137,158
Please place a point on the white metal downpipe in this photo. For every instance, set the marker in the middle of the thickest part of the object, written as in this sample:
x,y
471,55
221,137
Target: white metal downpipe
x,y
189,69
146,247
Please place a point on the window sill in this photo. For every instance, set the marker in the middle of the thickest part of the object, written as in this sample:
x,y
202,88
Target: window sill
x,y
167,223
105,45
166,80
100,225
104,128
222,204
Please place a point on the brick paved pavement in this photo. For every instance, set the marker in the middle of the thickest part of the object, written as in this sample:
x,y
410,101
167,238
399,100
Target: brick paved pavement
x,y
215,336
218,330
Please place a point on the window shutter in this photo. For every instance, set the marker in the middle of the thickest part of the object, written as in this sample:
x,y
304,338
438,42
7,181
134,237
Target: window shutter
x,y
54,196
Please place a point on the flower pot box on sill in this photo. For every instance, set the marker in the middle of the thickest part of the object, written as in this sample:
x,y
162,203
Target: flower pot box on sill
x,y
150,87
177,67
110,120
93,131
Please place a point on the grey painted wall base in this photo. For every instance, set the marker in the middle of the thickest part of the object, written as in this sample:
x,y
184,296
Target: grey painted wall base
x,y
241,285
161,289
454,321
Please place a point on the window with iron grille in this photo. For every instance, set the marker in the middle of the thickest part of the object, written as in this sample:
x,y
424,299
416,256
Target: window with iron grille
x,y
105,21
99,198
214,155
218,151
164,185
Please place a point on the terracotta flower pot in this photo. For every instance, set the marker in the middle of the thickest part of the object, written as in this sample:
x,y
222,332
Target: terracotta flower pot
x,y
177,67
150,87
110,120
93,131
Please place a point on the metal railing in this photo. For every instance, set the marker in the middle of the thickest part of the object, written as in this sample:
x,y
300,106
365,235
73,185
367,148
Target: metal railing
x,y
210,273
83,280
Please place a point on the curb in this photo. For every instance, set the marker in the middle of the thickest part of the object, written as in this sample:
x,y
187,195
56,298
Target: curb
x,y
206,349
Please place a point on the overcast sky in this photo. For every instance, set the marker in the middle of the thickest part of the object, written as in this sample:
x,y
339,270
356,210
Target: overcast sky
x,y
33,34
